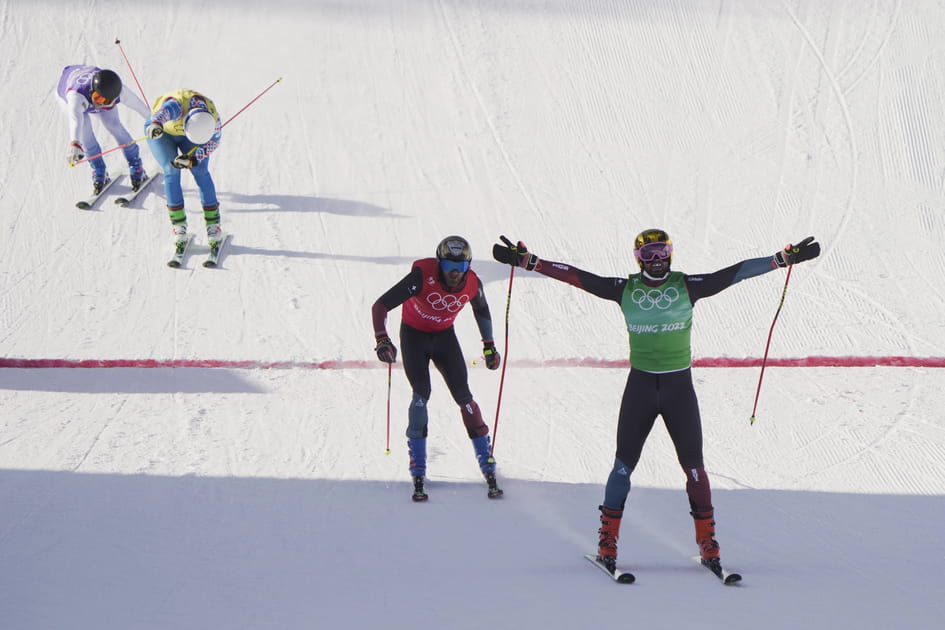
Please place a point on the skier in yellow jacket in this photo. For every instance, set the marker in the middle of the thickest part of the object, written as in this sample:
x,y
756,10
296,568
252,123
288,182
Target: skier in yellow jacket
x,y
183,130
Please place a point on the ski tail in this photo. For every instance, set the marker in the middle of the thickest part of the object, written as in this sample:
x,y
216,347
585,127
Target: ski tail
x,y
127,199
86,204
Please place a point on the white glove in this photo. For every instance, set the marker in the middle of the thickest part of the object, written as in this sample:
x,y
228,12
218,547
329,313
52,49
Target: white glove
x,y
76,152
154,130
184,161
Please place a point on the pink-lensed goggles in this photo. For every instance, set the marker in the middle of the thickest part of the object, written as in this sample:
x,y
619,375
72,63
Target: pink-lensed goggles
x,y
651,251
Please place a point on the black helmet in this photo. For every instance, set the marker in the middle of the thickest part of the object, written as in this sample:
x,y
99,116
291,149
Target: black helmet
x,y
107,84
454,248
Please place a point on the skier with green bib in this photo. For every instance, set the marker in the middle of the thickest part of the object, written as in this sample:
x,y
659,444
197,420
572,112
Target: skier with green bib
x,y
657,304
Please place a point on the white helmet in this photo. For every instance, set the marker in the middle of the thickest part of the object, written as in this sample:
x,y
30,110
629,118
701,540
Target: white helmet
x,y
199,126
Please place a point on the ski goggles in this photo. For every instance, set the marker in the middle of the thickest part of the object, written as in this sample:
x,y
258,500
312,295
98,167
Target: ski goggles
x,y
98,99
651,251
461,266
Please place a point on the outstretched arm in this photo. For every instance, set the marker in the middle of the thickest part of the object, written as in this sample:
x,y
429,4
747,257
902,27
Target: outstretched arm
x,y
519,256
705,285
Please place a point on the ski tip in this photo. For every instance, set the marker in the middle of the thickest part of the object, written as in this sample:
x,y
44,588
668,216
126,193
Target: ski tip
x,y
621,577
82,205
121,201
732,578
209,264
420,498
173,264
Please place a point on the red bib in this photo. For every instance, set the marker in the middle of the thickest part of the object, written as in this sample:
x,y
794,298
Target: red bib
x,y
435,307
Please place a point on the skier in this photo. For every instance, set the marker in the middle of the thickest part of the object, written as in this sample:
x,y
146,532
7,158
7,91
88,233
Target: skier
x,y
657,304
183,129
85,90
433,294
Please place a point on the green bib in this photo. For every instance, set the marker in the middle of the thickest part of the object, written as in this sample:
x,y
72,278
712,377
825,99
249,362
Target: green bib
x,y
659,322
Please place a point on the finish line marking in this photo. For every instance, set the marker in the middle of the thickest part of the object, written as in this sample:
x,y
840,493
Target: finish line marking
x,y
706,362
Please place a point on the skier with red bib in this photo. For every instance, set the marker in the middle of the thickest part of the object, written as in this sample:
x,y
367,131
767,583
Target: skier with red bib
x,y
432,295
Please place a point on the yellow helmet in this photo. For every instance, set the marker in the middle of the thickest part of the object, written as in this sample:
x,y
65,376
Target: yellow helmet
x,y
652,236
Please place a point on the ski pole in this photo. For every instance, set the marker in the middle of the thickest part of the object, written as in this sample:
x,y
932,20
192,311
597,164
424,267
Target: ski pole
x,y
240,112
131,70
505,358
272,85
120,146
390,368
764,360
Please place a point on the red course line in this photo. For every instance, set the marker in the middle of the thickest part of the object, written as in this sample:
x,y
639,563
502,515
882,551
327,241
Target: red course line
x,y
705,362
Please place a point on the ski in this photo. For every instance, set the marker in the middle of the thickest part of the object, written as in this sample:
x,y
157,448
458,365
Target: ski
x,y
214,256
125,200
621,577
180,250
715,566
86,204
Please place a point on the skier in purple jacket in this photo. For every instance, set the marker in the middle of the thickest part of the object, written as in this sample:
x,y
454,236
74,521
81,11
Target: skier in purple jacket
x,y
85,90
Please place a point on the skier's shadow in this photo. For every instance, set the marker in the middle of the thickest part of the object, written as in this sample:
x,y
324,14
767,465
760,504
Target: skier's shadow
x,y
301,203
296,203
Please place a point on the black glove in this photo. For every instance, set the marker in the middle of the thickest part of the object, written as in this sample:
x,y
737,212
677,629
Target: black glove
x,y
184,161
515,255
491,355
792,254
385,349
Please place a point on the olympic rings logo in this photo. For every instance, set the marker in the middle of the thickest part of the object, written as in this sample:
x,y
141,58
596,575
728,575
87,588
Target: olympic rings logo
x,y
449,303
654,298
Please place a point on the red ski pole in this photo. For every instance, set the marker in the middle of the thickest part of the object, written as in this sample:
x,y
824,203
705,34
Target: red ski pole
x,y
258,96
390,367
764,360
92,157
120,146
505,361
131,70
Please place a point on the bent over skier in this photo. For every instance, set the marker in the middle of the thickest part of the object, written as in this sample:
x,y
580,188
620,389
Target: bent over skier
x,y
88,90
433,294
657,304
183,130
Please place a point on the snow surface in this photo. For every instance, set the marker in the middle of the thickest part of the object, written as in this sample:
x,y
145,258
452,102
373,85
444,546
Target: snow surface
x,y
257,493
